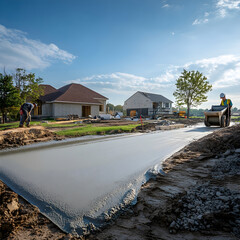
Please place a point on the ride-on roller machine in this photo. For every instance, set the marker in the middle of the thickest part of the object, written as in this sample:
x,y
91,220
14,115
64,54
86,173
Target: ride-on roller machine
x,y
217,116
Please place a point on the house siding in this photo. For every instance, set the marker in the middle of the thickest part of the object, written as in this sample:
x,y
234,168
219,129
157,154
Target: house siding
x,y
103,102
47,109
137,101
94,110
143,105
65,109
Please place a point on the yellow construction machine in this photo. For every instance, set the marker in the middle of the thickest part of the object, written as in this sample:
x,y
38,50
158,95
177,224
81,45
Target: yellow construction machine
x,y
180,113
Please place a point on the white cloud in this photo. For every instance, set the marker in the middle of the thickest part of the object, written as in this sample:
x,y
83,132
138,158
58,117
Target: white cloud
x,y
200,21
224,6
166,6
222,71
230,78
19,51
222,13
127,82
229,4
206,14
220,60
220,9
235,99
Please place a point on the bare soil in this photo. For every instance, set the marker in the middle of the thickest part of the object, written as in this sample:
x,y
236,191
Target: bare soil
x,y
24,136
20,220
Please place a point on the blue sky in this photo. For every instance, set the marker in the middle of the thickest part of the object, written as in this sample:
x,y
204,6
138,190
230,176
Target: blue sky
x,y
118,47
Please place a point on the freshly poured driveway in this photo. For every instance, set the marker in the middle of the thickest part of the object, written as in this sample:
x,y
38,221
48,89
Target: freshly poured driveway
x,y
81,183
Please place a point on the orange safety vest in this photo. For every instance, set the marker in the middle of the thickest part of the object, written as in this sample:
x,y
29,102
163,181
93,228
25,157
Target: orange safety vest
x,y
228,102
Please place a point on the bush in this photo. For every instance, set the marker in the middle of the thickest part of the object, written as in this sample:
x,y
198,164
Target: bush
x,y
13,113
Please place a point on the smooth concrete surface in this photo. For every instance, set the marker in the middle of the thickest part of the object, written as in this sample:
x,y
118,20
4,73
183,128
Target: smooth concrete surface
x,y
80,185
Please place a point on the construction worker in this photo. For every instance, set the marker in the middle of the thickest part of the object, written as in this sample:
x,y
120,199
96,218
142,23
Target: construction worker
x,y
25,113
227,103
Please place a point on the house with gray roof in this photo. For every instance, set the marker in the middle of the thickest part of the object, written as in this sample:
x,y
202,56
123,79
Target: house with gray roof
x,y
148,104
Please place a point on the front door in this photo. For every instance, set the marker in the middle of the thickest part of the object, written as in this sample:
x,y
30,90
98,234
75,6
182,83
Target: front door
x,y
86,111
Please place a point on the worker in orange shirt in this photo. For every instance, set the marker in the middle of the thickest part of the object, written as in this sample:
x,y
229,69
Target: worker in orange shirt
x,y
227,103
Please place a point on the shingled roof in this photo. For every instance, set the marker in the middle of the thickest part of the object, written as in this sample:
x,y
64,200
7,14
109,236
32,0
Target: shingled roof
x,y
73,93
47,89
155,97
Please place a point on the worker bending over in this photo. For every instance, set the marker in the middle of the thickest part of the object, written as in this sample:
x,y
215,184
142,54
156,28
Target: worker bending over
x,y
227,103
25,113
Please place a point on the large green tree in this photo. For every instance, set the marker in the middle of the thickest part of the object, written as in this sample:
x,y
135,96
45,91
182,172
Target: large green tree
x,y
28,85
9,94
191,89
118,108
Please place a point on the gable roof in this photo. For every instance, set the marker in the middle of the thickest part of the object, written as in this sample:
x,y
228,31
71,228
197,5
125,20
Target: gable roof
x,y
73,93
155,97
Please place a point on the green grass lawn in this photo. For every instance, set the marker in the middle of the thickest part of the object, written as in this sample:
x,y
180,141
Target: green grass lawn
x,y
76,130
61,125
9,125
91,130
197,117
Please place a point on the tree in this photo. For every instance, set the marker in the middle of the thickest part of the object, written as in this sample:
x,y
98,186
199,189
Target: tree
x,y
28,85
191,89
110,107
9,95
118,108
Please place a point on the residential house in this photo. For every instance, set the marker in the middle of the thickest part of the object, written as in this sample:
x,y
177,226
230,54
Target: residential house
x,y
148,104
72,99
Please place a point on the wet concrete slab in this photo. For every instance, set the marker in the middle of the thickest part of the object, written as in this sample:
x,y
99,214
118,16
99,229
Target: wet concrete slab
x,y
81,185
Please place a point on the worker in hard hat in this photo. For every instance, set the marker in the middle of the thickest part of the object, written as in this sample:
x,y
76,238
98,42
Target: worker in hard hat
x,y
227,103
25,113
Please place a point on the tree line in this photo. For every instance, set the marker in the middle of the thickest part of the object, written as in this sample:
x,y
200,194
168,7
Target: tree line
x,y
116,108
17,88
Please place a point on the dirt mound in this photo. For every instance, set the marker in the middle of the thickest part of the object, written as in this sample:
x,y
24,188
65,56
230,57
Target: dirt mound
x,y
203,207
211,145
24,136
147,126
21,220
196,198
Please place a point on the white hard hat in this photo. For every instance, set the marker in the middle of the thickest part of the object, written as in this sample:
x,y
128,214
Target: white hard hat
x,y
222,95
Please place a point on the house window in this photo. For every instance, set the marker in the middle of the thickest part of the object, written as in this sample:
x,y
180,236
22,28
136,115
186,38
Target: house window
x,y
167,105
155,105
101,108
